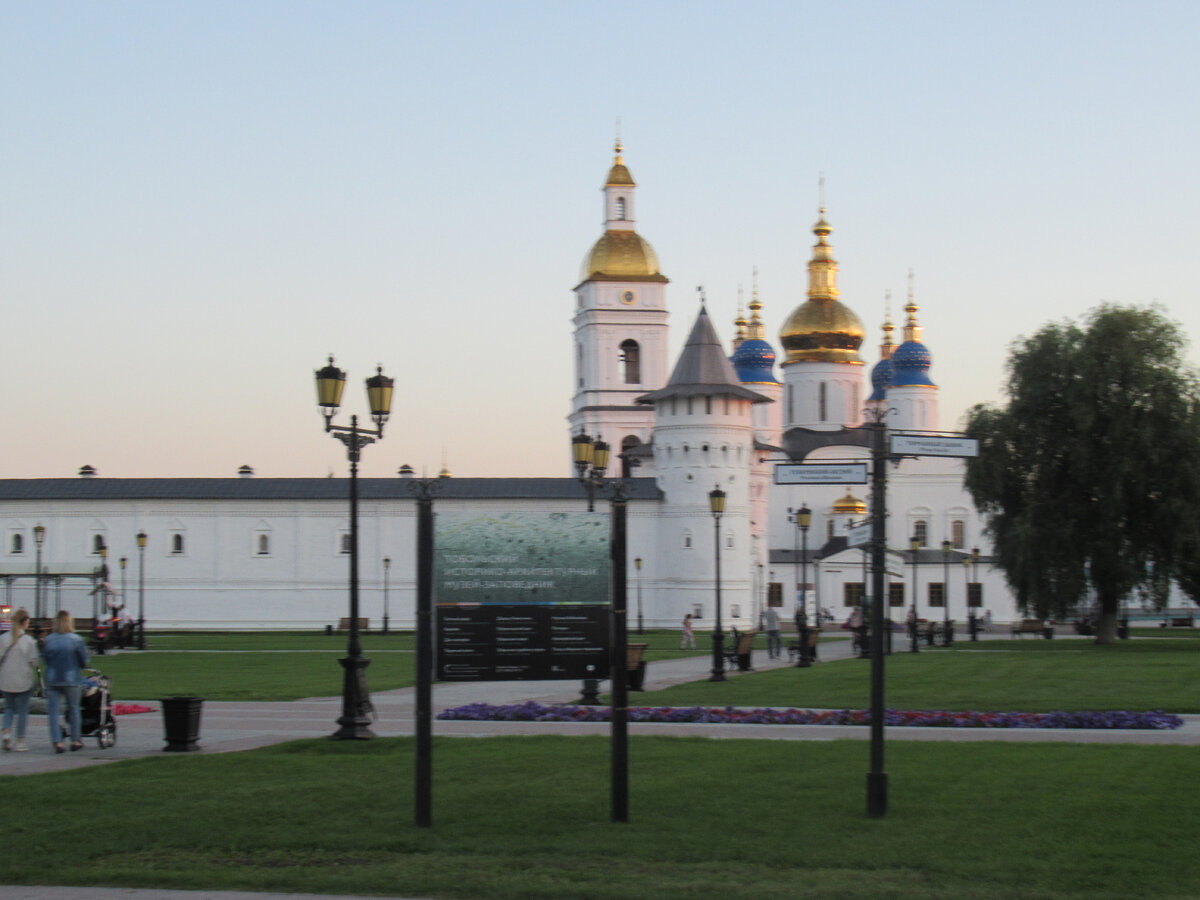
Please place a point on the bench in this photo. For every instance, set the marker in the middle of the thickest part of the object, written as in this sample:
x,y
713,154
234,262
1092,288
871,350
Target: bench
x,y
807,655
737,653
1181,622
344,623
635,666
1032,626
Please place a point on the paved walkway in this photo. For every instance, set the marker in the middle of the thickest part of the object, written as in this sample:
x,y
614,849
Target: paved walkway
x,y
227,726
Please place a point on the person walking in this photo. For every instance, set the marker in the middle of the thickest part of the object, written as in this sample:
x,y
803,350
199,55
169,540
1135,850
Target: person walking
x,y
774,638
65,654
688,639
18,669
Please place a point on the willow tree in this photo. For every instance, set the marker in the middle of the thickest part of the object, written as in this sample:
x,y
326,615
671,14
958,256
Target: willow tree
x,y
1090,475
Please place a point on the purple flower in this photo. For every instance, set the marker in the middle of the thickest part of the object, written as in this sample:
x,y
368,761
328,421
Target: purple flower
x,y
535,712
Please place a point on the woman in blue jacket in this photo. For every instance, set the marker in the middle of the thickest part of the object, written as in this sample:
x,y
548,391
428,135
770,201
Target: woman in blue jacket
x,y
64,653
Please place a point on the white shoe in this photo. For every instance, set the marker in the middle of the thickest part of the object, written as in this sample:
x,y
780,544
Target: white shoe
x,y
20,748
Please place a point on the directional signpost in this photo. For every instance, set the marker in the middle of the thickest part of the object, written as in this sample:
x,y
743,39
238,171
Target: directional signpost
x,y
821,473
857,535
933,445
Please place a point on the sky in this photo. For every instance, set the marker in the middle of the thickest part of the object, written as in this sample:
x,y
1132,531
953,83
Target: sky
x,y
200,202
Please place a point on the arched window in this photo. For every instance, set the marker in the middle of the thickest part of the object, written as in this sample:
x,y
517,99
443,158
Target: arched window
x,y
579,363
829,529
264,545
620,209
18,543
97,543
177,544
821,402
345,543
958,534
687,540
631,362
921,532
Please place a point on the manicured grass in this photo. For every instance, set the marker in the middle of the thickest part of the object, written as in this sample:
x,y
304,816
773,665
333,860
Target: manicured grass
x,y
529,818
1193,633
1022,675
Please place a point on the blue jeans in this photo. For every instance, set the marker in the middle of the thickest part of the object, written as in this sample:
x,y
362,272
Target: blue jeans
x,y
55,694
774,644
17,703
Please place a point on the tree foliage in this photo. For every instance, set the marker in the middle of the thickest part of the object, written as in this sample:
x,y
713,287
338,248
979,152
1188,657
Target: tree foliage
x,y
1091,473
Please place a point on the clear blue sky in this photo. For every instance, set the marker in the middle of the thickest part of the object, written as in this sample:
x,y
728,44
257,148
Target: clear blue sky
x,y
201,201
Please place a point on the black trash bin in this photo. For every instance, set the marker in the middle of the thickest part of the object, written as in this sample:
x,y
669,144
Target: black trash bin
x,y
181,723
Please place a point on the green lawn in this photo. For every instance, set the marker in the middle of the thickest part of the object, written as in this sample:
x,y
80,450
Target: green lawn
x,y
529,818
1022,675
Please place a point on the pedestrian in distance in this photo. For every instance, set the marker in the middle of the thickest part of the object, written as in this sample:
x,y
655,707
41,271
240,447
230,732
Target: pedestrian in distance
x,y
18,674
774,638
688,639
64,654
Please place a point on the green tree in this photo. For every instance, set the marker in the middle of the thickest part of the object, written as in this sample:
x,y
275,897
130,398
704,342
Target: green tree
x,y
1091,473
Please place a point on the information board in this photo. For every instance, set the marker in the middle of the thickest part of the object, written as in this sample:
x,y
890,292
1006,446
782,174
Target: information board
x,y
522,596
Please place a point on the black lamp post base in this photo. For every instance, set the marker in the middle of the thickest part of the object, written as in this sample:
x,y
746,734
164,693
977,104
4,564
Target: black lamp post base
x,y
877,794
355,720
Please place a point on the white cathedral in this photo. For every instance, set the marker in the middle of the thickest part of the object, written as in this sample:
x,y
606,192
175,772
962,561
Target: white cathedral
x,y
271,553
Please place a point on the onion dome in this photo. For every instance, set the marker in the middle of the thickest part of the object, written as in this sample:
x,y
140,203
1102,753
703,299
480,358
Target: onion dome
x,y
822,329
912,359
850,506
753,358
881,375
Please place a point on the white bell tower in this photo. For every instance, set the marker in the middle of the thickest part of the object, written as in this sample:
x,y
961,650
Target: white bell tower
x,y
620,326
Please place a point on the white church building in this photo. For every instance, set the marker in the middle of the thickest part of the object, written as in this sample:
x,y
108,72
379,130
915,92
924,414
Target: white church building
x,y
271,553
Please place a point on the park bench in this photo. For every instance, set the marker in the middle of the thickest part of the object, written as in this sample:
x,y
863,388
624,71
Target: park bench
x,y
737,651
1032,626
635,666
344,623
804,656
1181,622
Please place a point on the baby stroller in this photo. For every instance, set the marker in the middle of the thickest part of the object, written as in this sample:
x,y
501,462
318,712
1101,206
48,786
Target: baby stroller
x,y
95,709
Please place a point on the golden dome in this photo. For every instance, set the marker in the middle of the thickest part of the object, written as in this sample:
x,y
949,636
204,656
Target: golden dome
x,y
850,506
620,256
822,331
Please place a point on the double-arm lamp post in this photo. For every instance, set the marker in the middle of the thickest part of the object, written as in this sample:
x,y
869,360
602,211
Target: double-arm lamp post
x,y
356,700
716,503
591,462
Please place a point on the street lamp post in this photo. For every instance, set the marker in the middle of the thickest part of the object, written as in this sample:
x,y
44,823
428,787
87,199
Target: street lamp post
x,y
975,580
356,700
387,565
947,637
803,520
39,537
122,620
637,564
914,544
716,503
967,594
591,461
141,543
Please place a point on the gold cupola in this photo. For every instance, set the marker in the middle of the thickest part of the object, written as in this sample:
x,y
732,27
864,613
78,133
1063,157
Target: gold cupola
x,y
822,329
621,254
850,506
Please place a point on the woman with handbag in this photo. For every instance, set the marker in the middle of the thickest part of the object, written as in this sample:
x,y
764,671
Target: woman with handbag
x,y
65,654
18,668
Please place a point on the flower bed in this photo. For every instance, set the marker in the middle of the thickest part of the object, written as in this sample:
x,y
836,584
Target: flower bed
x,y
729,715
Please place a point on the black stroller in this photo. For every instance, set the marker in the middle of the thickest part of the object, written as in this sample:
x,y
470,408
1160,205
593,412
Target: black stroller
x,y
95,709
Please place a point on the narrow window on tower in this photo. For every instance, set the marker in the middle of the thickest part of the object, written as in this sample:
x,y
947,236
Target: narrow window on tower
x,y
821,402
790,416
620,209
579,363
631,365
